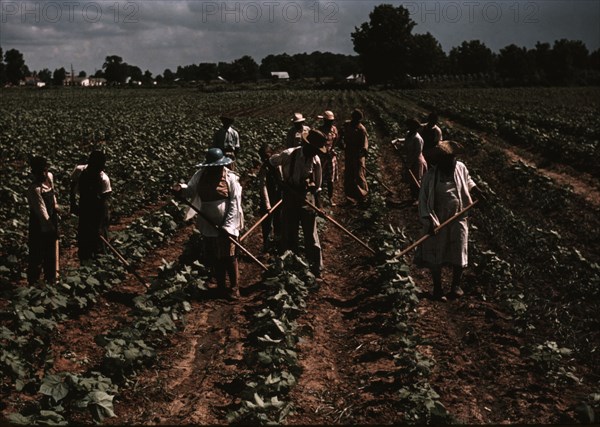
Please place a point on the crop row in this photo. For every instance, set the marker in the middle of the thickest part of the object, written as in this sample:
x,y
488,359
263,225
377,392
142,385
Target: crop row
x,y
36,313
569,135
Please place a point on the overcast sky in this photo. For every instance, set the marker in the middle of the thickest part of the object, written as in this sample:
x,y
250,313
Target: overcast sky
x,y
155,35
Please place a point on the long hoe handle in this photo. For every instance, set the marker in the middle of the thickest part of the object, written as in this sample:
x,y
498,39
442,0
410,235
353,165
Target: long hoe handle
x,y
260,221
124,261
437,229
231,239
341,227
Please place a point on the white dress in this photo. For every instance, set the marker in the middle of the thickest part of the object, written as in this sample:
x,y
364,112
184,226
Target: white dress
x,y
442,197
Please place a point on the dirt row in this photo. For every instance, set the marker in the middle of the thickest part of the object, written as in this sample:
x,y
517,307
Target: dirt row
x,y
348,372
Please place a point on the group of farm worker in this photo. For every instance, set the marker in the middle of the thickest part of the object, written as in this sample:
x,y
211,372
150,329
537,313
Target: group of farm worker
x,y
442,187
293,178
89,196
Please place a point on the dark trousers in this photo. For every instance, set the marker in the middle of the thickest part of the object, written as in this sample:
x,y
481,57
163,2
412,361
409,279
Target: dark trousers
x,y
271,225
43,252
297,213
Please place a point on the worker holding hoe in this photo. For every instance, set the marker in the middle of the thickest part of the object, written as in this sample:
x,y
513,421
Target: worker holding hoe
x,y
93,186
302,177
227,138
446,190
356,146
43,223
216,196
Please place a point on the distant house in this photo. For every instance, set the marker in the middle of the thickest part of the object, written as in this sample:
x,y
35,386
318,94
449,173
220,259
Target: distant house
x,y
32,81
84,81
280,75
355,78
97,81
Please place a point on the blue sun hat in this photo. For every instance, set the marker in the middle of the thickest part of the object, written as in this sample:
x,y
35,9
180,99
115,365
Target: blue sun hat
x,y
215,157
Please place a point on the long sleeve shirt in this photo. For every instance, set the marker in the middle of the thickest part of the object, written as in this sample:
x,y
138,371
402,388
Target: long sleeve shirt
x,y
37,205
227,214
463,182
298,170
413,146
227,139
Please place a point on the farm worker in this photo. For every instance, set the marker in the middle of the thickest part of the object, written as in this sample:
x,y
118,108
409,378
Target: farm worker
x,y
446,189
302,177
431,133
356,143
329,159
227,138
216,191
270,193
297,132
93,186
415,162
43,223
74,185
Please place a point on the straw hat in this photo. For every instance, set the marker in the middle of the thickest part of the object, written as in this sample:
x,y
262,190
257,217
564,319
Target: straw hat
x,y
445,148
215,157
298,118
317,139
327,115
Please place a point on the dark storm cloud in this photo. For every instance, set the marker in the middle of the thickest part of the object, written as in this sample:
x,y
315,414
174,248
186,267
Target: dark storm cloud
x,y
163,34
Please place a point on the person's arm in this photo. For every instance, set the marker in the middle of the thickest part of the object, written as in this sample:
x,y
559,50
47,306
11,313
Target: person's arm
x,y
264,191
37,205
279,159
232,223
318,176
236,141
364,143
188,190
437,135
105,195
427,217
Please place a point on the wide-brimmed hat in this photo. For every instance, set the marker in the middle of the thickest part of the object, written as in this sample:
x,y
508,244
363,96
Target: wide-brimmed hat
x,y
215,157
445,148
298,118
327,115
227,118
317,139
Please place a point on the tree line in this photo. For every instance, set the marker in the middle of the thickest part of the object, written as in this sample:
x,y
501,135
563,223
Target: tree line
x,y
387,53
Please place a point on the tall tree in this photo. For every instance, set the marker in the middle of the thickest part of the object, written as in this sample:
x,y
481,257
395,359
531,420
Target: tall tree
x,y
15,66
569,58
59,76
134,73
207,71
427,56
384,43
541,56
245,69
115,70
147,78
3,79
45,75
168,76
515,66
471,57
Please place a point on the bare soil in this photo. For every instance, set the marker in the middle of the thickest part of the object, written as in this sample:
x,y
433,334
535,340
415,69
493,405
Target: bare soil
x,y
348,376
